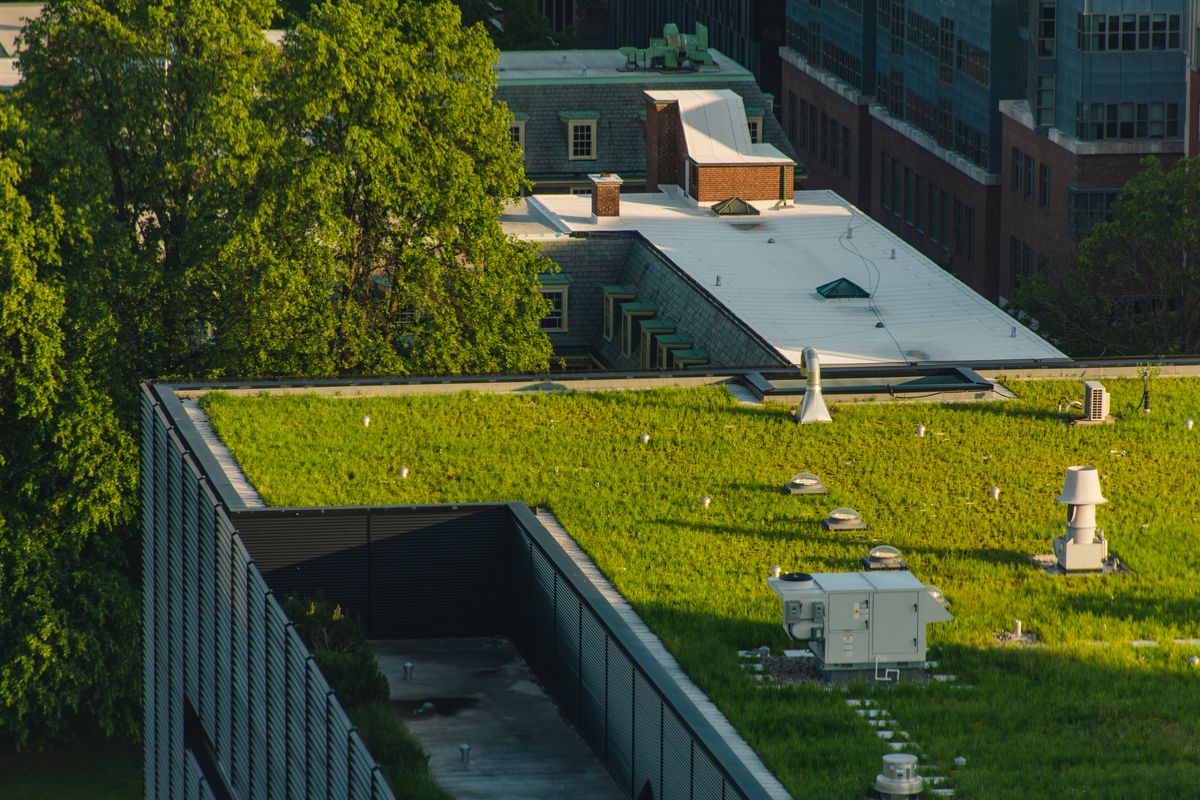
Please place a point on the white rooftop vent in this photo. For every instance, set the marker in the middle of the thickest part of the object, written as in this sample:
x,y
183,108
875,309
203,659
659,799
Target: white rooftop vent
x,y
884,556
843,519
899,778
805,483
813,408
1095,404
1081,548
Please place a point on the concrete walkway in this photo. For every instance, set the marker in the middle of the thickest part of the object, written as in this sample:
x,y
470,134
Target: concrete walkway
x,y
480,692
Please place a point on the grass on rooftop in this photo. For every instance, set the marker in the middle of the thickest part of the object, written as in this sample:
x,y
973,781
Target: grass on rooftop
x,y
1085,714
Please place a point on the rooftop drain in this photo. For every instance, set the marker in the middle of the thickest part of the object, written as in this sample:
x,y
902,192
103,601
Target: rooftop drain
x,y
805,483
843,519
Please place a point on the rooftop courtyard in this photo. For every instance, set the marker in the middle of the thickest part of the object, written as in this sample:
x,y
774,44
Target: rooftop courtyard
x,y
1101,702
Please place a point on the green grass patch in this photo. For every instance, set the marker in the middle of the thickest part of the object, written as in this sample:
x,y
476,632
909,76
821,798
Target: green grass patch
x,y
83,770
1070,718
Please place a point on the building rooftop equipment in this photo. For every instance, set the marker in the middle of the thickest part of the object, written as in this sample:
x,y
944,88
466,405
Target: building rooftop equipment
x,y
860,624
884,557
1082,548
843,519
805,483
917,312
590,67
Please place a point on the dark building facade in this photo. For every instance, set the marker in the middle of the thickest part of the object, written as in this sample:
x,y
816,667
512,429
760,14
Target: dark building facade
x,y
991,136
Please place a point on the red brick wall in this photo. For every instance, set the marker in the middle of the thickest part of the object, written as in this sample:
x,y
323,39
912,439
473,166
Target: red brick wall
x,y
857,119
606,199
975,263
768,182
1045,230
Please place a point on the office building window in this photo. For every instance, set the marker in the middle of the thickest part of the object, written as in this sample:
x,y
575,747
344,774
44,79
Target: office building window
x,y
792,114
824,137
812,129
1045,28
908,198
1128,32
934,234
1016,170
958,215
845,152
942,212
1044,185
919,192
895,187
1045,99
1028,177
885,173
835,133
969,234
1088,207
803,140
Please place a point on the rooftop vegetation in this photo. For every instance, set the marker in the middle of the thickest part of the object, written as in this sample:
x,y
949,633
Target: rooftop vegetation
x,y
1085,713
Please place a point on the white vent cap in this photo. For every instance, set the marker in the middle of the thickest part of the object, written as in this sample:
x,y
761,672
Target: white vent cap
x,y
1081,487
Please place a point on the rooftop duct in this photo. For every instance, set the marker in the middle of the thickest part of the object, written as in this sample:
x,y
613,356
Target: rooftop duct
x,y
813,409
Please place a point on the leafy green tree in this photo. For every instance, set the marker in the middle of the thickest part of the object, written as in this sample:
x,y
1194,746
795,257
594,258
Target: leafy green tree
x,y
70,612
156,145
398,161
1136,285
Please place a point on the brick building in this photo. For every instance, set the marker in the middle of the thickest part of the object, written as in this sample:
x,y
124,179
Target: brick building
x,y
990,136
580,112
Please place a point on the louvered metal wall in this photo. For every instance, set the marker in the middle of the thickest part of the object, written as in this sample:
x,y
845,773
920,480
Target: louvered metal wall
x,y
623,703
216,639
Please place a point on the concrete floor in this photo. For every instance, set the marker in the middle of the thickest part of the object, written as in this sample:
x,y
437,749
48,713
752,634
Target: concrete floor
x,y
480,692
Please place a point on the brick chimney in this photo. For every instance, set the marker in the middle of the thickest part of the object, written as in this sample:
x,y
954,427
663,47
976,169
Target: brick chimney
x,y
606,194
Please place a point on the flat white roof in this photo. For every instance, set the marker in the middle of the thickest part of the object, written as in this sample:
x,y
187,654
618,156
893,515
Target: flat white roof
x,y
714,127
770,266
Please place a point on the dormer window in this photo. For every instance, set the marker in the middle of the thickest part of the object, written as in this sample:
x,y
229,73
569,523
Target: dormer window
x,y
581,134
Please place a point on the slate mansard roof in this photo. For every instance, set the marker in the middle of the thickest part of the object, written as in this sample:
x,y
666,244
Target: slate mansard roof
x,y
539,86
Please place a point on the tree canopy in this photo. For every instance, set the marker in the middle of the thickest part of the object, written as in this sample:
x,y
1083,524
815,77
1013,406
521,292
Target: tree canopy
x,y
1135,289
181,198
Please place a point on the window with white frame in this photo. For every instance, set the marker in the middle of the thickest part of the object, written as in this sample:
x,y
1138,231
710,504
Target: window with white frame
x,y
754,124
581,139
516,133
556,320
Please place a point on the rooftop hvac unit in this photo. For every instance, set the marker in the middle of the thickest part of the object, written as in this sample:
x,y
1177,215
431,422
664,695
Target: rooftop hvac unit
x,y
860,624
1095,404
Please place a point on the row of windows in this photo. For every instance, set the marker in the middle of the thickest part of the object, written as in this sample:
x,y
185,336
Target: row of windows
x,y
927,208
827,139
1088,207
1022,165
939,122
820,52
1097,121
581,136
1129,32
